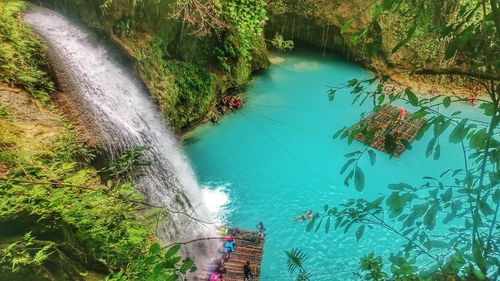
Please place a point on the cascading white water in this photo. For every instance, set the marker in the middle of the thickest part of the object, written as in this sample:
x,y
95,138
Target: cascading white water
x,y
125,117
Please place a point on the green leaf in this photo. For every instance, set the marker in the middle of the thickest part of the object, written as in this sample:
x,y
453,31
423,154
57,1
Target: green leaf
x,y
412,98
421,132
446,102
430,147
149,260
359,232
436,244
327,225
478,139
172,251
459,42
407,39
496,196
375,203
468,179
419,114
460,132
353,82
400,186
373,157
477,252
326,207
154,248
187,265
440,125
484,207
488,107
346,26
157,270
359,179
338,133
479,274
447,195
348,178
310,225
387,4
410,220
437,152
395,204
430,217
346,165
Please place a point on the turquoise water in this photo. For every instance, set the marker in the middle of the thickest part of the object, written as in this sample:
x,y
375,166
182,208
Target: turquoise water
x,y
276,159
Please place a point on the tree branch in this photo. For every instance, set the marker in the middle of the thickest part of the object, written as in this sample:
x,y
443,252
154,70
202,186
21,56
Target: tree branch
x,y
457,71
110,195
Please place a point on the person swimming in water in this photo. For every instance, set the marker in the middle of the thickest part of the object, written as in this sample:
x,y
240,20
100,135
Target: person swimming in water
x,y
306,216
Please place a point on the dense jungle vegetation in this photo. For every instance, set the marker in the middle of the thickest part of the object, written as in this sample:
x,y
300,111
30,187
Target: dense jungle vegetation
x,y
61,218
58,220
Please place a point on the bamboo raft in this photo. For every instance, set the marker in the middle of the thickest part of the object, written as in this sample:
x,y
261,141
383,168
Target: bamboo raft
x,y
248,248
406,129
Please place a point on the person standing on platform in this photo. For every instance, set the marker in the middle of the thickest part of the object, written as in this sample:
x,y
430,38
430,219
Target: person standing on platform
x,y
247,271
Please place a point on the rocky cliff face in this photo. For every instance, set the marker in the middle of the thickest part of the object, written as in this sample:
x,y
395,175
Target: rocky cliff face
x,y
320,23
182,71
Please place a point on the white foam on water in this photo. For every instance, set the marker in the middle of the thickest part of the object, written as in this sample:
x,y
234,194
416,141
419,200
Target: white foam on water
x,y
217,201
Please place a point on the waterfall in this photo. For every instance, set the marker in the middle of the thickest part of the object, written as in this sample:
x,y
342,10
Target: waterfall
x,y
122,114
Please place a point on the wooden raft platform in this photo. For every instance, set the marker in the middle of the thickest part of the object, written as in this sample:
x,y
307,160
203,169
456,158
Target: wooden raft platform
x,y
385,121
248,248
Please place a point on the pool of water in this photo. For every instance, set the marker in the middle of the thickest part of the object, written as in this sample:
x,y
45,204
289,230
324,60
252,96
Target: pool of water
x,y
276,159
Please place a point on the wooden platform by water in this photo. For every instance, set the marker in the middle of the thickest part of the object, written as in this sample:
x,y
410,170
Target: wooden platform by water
x,y
249,247
386,117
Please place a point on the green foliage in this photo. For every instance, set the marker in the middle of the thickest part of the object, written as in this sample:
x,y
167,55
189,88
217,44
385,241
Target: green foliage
x,y
227,54
281,44
104,226
460,196
463,195
247,19
122,168
371,268
296,259
22,61
124,26
464,32
68,148
157,264
59,199
24,253
196,91
184,90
